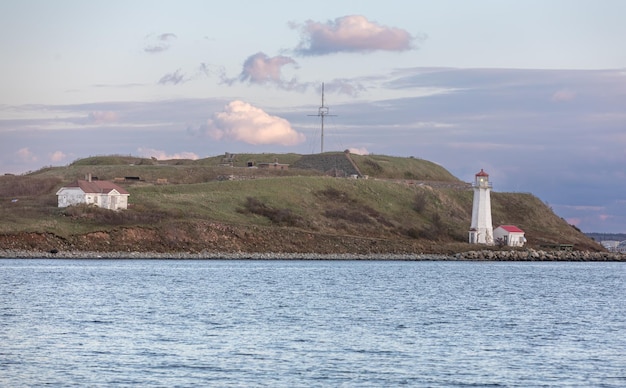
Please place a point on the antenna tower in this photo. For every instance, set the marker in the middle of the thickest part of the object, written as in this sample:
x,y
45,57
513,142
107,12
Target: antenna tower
x,y
322,112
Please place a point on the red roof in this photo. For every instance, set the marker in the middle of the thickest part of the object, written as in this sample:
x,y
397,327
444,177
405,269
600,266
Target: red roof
x,y
104,187
511,228
482,173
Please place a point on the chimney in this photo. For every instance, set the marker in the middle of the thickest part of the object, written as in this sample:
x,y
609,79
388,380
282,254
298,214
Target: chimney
x,y
88,177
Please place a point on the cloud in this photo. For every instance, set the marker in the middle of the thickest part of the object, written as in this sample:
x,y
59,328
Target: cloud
x,y
103,117
262,69
206,69
353,33
174,78
259,68
57,156
25,155
574,221
584,208
243,122
158,43
162,155
344,86
563,95
359,151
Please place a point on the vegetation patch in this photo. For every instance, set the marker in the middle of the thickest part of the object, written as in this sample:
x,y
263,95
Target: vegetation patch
x,y
284,217
419,202
373,165
16,186
332,194
348,215
95,214
326,214
350,209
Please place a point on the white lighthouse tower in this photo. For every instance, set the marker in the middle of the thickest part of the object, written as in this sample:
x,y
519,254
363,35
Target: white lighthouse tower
x,y
481,230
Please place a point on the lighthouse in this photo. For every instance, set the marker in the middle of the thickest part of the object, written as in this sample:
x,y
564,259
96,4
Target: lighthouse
x,y
481,230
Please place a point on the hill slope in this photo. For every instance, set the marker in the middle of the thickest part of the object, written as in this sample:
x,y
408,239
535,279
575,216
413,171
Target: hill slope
x,y
407,205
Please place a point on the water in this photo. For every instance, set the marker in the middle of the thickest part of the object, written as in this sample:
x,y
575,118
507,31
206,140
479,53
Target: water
x,y
311,323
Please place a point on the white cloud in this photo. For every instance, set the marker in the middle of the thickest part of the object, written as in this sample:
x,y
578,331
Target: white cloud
x,y
162,155
353,33
241,121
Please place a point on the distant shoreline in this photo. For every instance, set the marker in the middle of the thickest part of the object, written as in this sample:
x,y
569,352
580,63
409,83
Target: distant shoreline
x,y
483,255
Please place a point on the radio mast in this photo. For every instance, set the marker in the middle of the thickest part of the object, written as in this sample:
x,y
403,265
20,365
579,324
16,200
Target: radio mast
x,y
322,112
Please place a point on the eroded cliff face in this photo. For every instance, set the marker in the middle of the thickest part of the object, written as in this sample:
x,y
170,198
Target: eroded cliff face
x,y
210,237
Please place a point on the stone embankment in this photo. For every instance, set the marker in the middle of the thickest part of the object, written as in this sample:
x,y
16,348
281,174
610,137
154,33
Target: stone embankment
x,y
26,254
485,255
533,255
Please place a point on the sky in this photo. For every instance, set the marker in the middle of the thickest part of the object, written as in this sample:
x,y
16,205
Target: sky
x,y
533,92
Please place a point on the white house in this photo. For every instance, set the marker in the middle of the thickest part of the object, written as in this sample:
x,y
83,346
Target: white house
x,y
510,235
103,194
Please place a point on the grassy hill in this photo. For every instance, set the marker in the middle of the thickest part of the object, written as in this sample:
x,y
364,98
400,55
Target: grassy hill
x,y
221,204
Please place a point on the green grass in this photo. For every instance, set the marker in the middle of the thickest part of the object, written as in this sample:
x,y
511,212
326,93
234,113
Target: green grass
x,y
401,168
304,200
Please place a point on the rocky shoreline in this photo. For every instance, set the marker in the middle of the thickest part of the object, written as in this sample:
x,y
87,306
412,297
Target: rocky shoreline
x,y
482,255
535,255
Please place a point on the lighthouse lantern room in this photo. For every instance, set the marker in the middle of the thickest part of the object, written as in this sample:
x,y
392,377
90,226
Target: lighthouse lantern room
x,y
481,230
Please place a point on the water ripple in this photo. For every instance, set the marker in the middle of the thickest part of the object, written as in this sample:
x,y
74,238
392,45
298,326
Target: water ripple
x,y
299,323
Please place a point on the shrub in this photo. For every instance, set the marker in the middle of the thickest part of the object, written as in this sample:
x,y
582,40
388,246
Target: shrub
x,y
413,233
419,202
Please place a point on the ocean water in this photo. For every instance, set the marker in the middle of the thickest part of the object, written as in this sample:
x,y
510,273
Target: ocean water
x,y
311,323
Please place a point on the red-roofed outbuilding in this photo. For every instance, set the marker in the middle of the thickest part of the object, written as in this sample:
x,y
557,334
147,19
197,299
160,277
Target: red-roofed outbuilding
x,y
510,235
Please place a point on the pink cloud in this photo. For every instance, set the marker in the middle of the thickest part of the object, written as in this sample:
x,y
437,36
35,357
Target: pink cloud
x,y
353,33
241,121
574,221
563,95
260,68
162,155
359,151
26,155
57,156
